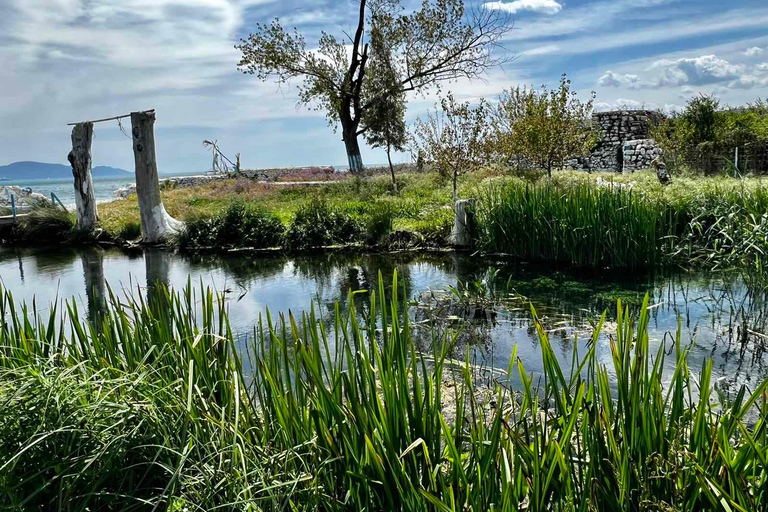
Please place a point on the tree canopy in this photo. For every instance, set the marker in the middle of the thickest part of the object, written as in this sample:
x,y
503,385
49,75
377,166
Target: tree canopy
x,y
417,49
453,137
546,127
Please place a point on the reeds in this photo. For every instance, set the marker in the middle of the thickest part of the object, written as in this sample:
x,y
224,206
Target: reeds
x,y
347,414
613,226
581,225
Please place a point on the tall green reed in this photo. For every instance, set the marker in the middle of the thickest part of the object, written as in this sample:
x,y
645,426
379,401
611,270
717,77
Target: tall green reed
x,y
347,414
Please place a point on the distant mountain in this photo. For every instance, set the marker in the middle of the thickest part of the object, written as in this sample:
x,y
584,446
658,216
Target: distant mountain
x,y
42,171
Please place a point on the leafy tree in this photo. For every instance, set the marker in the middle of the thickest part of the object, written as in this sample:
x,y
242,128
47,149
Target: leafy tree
x,y
385,119
386,128
438,42
545,127
453,138
704,134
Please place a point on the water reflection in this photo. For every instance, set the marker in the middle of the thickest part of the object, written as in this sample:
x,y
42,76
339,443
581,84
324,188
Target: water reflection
x,y
95,284
719,314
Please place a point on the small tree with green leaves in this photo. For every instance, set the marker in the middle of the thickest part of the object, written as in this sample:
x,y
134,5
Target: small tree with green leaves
x,y
545,127
385,118
453,138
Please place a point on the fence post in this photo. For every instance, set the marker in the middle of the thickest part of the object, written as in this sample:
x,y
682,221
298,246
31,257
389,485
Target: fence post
x,y
736,160
13,207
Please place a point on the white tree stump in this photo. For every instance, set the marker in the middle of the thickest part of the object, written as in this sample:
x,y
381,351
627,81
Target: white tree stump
x,y
80,159
464,224
156,224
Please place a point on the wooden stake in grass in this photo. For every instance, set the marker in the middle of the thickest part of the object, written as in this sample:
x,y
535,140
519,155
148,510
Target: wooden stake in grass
x,y
156,224
80,159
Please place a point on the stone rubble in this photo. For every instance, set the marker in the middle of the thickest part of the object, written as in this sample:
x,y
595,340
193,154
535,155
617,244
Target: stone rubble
x,y
24,197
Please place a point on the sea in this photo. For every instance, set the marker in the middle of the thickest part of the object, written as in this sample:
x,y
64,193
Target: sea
x,y
64,189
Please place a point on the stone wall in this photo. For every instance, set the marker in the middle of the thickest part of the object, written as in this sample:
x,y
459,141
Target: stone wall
x,y
625,143
639,154
279,173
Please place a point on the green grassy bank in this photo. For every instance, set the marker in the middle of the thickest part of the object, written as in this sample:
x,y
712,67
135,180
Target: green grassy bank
x,y
591,220
152,410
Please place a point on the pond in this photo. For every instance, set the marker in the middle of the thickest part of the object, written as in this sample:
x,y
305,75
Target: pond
x,y
719,316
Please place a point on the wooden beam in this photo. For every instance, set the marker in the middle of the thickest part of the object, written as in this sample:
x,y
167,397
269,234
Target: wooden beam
x,y
111,118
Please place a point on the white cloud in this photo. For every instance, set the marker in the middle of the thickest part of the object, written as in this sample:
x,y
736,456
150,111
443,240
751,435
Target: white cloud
x,y
542,50
762,68
601,26
704,70
753,52
549,7
611,79
630,104
696,72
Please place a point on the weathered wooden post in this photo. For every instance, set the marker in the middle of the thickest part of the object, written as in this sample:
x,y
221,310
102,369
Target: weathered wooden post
x,y
80,159
464,223
156,224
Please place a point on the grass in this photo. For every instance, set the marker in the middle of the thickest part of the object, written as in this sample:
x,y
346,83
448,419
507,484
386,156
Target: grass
x,y
709,222
420,206
46,224
152,409
590,220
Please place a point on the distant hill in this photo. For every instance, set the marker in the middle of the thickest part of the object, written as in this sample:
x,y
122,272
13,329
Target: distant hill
x,y
42,171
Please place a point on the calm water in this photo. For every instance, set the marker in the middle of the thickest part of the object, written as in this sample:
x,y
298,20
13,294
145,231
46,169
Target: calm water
x,y
64,188
717,313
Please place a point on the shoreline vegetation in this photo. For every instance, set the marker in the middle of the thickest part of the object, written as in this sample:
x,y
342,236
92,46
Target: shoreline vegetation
x,y
161,406
590,220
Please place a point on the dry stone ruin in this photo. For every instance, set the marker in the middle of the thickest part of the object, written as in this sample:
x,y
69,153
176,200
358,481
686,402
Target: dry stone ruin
x,y
625,144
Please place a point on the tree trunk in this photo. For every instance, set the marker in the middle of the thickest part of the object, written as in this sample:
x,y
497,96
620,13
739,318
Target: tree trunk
x,y
156,224
80,159
392,170
455,186
353,149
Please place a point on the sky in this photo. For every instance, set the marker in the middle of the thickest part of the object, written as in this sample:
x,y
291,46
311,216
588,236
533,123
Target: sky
x,y
64,61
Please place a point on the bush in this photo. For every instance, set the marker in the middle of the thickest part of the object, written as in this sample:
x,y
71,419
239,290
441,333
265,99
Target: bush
x,y
317,224
129,230
238,225
46,224
380,221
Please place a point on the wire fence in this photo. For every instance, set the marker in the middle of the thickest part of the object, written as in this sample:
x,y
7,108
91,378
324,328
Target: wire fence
x,y
743,159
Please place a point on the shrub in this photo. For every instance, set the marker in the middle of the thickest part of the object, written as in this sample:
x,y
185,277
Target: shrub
x,y
318,224
238,225
45,224
380,221
129,230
